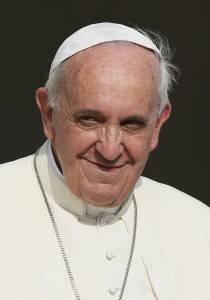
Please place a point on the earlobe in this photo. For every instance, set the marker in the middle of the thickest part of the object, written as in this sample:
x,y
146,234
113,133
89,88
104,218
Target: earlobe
x,y
161,120
46,112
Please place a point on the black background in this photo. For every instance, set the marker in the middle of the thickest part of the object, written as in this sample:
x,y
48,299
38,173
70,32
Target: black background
x,y
31,32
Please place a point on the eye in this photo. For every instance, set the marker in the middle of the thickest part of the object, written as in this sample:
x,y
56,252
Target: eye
x,y
89,121
133,124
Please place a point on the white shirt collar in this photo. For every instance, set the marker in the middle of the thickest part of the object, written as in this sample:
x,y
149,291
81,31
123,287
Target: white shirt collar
x,y
90,209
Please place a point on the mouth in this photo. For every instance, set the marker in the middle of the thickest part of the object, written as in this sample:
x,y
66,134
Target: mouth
x,y
106,168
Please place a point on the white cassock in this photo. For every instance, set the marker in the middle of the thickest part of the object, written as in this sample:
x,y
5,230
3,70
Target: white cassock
x,y
171,258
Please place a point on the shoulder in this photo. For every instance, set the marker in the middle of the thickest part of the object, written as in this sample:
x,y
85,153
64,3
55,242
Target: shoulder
x,y
17,180
19,193
162,194
22,168
168,205
13,168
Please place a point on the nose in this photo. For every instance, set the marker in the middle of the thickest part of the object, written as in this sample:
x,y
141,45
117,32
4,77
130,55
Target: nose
x,y
109,143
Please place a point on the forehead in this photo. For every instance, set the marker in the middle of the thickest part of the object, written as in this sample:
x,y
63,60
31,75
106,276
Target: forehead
x,y
124,56
112,71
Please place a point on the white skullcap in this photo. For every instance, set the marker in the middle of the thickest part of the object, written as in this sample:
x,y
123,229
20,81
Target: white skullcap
x,y
95,34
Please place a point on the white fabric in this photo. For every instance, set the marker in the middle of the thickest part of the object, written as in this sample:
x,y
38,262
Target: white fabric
x,y
90,209
171,259
95,34
53,163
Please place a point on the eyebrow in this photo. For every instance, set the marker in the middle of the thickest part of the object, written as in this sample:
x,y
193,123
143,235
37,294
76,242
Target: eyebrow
x,y
90,111
136,117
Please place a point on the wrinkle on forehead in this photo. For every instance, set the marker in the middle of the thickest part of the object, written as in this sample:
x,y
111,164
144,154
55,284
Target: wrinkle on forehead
x,y
113,60
103,52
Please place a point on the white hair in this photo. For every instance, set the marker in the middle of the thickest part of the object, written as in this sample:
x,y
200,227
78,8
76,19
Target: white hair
x,y
54,84
168,72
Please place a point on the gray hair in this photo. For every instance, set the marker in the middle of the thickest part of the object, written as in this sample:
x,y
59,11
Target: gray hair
x,y
168,72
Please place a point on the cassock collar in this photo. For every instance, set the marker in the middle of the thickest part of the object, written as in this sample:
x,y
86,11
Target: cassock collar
x,y
58,191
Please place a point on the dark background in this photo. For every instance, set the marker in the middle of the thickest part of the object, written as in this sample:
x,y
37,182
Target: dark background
x,y
31,32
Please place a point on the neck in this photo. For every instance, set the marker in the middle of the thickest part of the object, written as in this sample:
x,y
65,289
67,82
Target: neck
x,y
91,210
58,191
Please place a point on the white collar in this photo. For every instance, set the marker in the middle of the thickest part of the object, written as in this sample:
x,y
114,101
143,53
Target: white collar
x,y
57,189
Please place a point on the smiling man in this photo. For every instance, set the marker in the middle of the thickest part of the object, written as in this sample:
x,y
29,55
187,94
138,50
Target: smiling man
x,y
107,120
80,222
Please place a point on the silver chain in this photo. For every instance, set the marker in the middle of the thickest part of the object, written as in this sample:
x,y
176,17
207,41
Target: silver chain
x,y
66,260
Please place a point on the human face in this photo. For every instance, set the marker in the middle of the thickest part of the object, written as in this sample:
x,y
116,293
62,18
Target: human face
x,y
107,122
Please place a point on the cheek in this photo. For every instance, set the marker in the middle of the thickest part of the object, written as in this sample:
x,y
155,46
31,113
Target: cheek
x,y
70,143
139,146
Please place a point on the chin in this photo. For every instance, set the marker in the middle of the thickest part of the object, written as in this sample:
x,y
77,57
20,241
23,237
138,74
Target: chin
x,y
103,203
104,197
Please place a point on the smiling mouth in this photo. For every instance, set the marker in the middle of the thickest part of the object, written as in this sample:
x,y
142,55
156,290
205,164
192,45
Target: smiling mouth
x,y
106,168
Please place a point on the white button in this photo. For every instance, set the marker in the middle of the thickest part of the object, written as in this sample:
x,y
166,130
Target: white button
x,y
102,221
112,291
109,255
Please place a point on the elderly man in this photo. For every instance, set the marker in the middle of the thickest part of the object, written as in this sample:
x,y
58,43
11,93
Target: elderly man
x,y
77,219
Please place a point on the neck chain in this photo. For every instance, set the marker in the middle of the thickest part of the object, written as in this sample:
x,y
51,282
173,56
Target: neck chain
x,y
57,233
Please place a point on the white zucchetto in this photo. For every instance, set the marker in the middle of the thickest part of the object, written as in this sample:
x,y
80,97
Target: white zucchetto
x,y
95,34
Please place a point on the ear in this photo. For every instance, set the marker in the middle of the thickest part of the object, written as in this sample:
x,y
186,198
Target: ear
x,y
46,112
160,121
